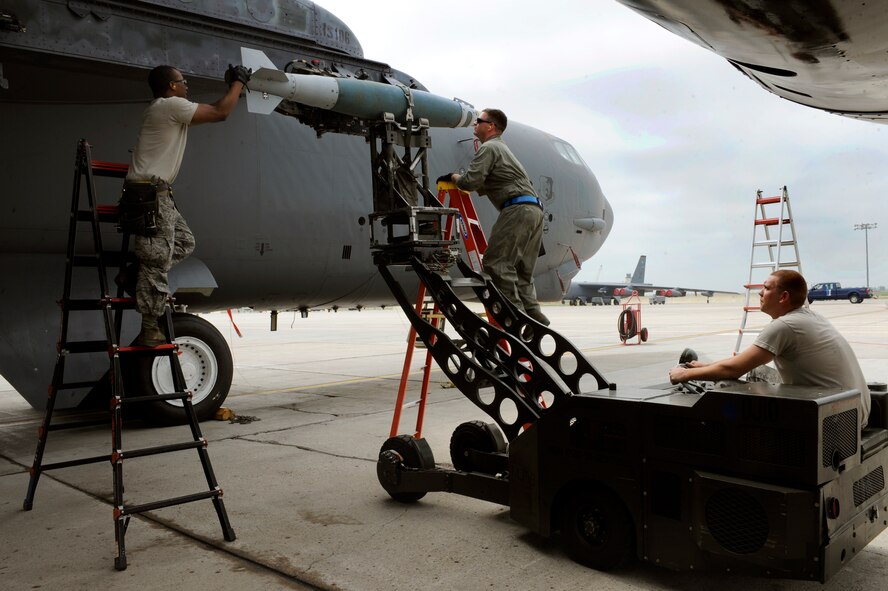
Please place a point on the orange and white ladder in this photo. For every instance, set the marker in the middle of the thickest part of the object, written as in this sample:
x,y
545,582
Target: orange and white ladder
x,y
475,243
774,247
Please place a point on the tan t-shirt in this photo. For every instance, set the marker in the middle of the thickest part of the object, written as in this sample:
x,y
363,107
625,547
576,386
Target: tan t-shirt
x,y
162,139
809,351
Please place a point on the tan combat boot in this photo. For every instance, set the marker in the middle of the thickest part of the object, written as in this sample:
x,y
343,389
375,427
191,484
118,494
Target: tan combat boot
x,y
151,335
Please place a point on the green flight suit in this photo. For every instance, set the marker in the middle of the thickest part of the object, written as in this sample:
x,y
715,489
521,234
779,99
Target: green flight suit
x,y
514,243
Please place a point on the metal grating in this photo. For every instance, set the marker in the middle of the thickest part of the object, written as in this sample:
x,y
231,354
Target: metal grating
x,y
737,521
839,436
868,486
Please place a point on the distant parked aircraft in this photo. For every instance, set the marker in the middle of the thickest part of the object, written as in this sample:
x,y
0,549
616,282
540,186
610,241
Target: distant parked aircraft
x,y
585,291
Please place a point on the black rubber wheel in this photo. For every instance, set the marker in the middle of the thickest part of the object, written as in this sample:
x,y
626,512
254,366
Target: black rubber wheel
x,y
596,530
854,298
206,363
412,453
644,334
476,435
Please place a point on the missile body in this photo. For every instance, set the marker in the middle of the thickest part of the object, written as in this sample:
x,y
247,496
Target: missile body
x,y
348,96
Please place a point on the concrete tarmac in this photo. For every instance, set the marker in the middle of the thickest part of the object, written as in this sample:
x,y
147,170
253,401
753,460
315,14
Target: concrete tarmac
x,y
314,402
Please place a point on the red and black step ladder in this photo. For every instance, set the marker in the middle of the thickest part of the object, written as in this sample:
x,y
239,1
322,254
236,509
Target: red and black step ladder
x,y
774,247
475,243
111,309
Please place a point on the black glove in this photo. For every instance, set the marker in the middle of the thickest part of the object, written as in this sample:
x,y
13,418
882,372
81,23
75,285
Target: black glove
x,y
237,74
445,178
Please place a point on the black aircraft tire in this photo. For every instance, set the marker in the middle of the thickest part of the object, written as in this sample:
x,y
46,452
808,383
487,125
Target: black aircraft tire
x,y
596,530
206,363
412,453
476,435
644,334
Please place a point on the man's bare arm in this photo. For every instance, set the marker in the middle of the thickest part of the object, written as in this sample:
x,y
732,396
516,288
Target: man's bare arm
x,y
221,109
729,368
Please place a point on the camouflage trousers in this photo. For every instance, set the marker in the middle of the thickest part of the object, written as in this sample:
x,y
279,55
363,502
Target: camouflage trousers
x,y
157,255
512,253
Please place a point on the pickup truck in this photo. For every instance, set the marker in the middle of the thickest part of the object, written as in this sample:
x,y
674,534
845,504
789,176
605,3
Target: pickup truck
x,y
835,291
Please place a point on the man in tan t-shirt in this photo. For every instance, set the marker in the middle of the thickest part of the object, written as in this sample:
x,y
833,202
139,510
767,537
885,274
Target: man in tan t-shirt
x,y
157,158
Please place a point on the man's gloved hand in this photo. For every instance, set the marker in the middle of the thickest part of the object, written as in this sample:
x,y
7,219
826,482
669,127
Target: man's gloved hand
x,y
237,74
445,178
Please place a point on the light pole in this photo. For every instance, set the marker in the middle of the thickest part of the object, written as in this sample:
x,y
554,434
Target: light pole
x,y
866,228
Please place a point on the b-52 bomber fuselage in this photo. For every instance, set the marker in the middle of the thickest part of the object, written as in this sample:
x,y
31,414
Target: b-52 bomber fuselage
x,y
279,210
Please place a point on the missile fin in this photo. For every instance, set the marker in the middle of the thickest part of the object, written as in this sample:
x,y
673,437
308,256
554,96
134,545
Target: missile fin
x,y
255,59
260,102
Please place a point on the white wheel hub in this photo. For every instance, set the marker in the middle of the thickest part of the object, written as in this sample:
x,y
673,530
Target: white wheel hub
x,y
199,366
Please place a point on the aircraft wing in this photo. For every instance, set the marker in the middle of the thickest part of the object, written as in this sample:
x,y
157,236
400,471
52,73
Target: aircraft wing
x,y
826,55
587,289
683,291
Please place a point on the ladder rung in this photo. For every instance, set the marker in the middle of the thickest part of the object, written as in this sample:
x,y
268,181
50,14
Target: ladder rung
x,y
770,221
767,200
160,449
80,462
763,265
76,385
789,264
774,243
156,397
210,494
115,303
86,346
109,169
165,349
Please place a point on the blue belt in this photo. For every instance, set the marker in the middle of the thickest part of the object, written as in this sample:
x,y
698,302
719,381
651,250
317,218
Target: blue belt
x,y
523,199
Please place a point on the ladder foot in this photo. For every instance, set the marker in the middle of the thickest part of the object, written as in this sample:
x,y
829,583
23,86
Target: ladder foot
x,y
120,563
27,505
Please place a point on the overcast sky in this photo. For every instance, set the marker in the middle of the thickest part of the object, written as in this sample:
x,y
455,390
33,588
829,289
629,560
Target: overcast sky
x,y
679,140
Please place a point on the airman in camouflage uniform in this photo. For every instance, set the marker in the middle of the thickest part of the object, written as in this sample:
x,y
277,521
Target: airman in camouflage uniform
x,y
158,254
157,157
